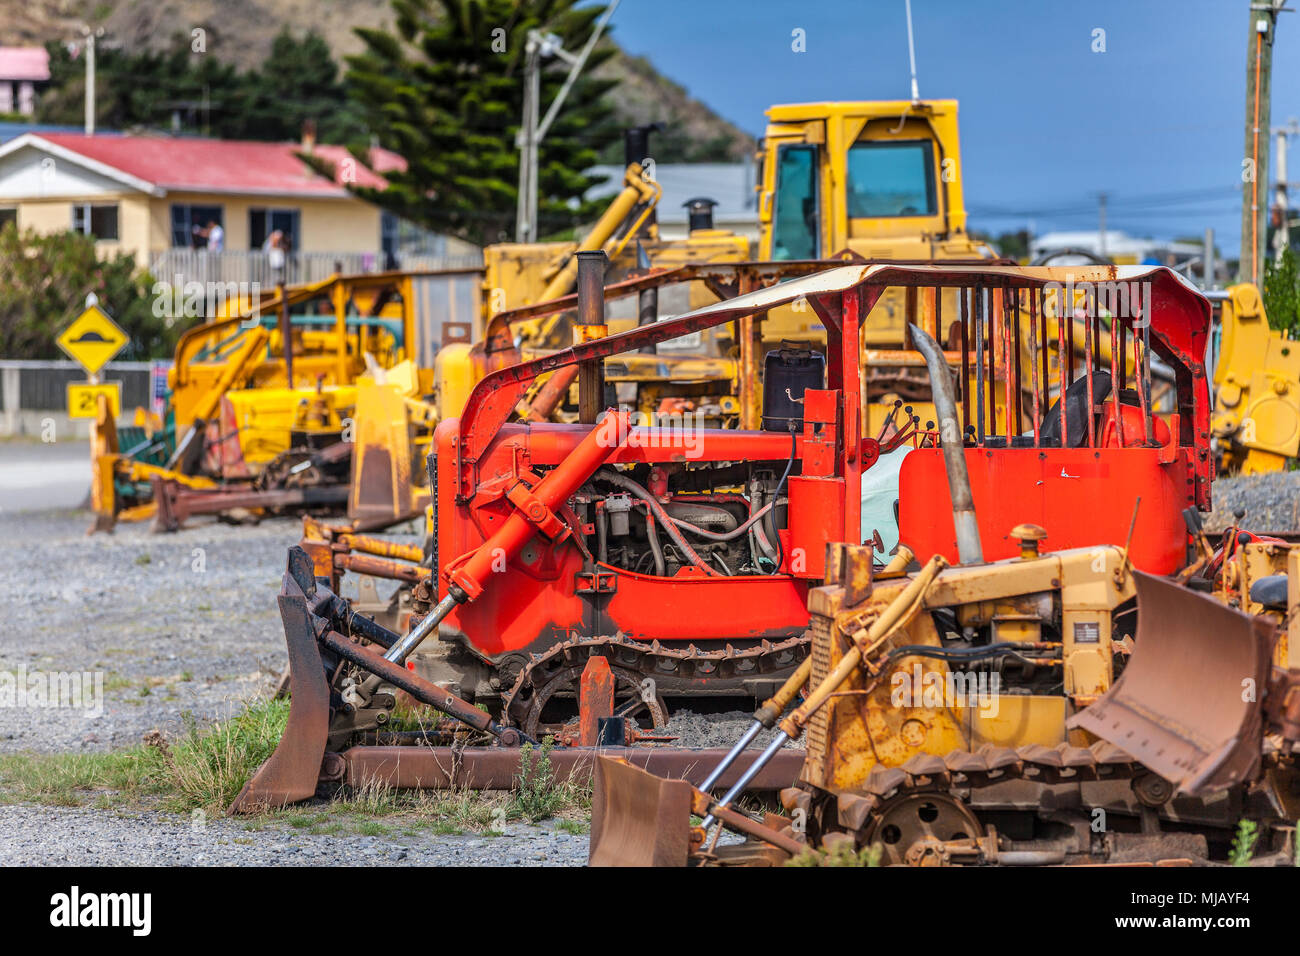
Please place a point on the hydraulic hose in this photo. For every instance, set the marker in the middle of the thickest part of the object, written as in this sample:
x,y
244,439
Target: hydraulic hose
x,y
652,535
631,487
725,535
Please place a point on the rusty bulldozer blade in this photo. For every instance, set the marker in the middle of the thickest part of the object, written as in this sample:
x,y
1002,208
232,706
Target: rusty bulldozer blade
x,y
1189,704
638,819
292,772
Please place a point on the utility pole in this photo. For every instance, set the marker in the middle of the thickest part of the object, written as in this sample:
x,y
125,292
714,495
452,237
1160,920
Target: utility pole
x,y
1282,211
90,36
531,133
525,228
1207,261
1101,225
1259,68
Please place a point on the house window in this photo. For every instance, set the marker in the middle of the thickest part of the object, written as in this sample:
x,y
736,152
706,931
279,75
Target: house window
x,y
263,222
7,215
190,225
99,221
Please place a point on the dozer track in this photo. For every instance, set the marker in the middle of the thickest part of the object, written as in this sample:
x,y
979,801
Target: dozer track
x,y
634,663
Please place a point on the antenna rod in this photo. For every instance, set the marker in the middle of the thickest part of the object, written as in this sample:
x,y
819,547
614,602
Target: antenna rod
x,y
911,53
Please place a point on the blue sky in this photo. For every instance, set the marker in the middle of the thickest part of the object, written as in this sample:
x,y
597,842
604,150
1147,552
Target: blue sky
x,y
1156,122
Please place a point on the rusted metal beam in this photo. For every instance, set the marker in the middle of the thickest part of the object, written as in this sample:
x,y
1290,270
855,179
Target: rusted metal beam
x,y
380,567
595,699
497,768
176,502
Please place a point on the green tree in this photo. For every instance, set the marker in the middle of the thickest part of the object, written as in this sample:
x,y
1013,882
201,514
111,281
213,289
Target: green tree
x,y
298,82
195,92
1282,294
444,89
46,280
144,89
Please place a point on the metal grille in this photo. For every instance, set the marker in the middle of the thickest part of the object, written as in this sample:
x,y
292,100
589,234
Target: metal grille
x,y
821,666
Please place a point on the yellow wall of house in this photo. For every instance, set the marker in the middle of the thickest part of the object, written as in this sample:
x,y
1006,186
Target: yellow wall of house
x,y
144,222
133,221
327,225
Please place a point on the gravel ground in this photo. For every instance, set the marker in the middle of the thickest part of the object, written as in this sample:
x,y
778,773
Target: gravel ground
x,y
715,730
61,836
187,624
173,623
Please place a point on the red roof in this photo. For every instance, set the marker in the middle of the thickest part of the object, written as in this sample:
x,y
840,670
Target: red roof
x,y
24,63
227,166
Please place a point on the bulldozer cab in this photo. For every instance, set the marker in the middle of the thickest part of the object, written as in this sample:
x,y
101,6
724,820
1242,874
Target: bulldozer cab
x,y
882,179
1073,419
875,180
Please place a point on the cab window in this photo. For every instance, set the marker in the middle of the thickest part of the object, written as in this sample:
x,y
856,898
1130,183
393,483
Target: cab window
x,y
891,180
794,220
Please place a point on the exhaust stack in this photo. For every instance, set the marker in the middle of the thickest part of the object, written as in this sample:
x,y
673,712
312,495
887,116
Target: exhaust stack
x,y
969,549
591,325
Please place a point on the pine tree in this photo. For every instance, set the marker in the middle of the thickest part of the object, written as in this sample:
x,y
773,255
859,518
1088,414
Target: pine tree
x,y
445,90
299,81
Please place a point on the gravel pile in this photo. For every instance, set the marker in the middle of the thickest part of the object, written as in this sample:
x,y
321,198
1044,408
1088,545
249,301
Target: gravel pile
x,y
1271,502
715,730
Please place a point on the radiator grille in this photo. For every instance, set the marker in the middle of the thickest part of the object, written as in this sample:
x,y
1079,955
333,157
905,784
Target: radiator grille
x,y
821,667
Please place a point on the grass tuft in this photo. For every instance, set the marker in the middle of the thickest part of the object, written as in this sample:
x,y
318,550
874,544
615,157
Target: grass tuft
x,y
206,768
70,779
537,795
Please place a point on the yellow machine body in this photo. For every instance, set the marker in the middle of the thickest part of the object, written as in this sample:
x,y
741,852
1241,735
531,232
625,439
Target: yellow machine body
x,y
266,417
1256,388
919,707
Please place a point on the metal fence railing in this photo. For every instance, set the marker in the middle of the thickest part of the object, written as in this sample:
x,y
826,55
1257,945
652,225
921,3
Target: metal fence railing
x,y
249,266
43,386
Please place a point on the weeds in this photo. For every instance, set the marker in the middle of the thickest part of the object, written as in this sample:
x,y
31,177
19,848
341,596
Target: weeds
x,y
1243,844
373,798
537,795
842,853
67,779
207,768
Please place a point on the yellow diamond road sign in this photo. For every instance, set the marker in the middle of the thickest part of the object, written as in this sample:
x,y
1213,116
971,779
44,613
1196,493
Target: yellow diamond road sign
x,y
93,339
